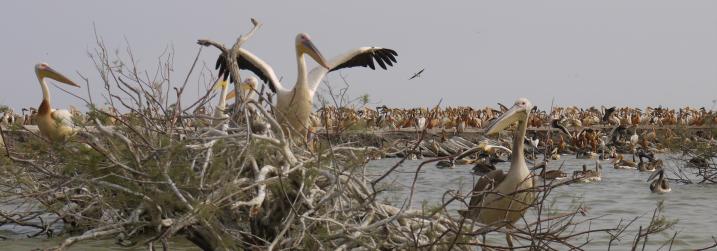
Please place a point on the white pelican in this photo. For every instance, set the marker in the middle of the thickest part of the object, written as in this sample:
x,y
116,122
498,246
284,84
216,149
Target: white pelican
x,y
634,138
8,117
294,105
246,89
56,125
220,110
659,185
500,199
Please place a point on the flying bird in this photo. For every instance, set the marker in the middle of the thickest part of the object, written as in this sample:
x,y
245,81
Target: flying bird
x,y
417,74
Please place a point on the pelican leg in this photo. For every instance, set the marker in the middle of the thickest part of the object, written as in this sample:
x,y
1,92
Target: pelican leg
x,y
509,240
509,237
484,243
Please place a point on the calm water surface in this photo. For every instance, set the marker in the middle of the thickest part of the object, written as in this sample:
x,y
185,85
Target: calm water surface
x,y
622,194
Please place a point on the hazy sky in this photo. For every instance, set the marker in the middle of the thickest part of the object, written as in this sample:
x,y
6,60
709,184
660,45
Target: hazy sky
x,y
475,52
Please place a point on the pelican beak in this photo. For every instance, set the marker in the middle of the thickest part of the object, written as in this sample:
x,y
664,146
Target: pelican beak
x,y
513,114
47,71
491,147
221,84
244,89
232,94
315,54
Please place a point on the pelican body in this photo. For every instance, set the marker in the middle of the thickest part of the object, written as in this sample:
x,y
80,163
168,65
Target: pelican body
x,y
659,185
621,163
294,106
501,199
588,176
56,125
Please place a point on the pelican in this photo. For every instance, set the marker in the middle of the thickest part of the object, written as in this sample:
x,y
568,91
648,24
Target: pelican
x,y
246,89
554,154
621,163
443,164
8,117
484,166
500,199
587,176
294,105
553,174
220,110
548,176
56,125
485,162
650,166
659,185
634,138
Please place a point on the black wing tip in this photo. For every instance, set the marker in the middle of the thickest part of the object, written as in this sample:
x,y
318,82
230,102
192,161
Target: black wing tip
x,y
393,52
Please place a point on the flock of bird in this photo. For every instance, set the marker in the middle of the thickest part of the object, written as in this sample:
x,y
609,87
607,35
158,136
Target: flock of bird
x,y
499,198
293,107
458,119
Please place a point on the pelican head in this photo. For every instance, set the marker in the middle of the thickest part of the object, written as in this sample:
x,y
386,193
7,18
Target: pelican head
x,y
245,88
520,111
488,148
249,83
43,70
304,45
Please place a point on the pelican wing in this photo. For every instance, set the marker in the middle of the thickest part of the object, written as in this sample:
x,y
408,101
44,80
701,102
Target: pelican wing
x,y
248,61
363,56
63,117
485,184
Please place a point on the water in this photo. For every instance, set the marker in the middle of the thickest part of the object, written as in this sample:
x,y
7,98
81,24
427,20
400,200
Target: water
x,y
17,237
622,194
179,244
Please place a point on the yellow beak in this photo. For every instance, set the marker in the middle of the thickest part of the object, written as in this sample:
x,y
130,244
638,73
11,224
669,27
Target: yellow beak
x,y
509,117
47,71
315,54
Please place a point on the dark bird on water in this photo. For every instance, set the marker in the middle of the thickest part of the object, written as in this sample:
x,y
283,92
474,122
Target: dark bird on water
x,y
417,74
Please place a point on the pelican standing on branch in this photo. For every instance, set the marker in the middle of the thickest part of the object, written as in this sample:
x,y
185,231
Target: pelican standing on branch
x,y
500,199
56,125
294,105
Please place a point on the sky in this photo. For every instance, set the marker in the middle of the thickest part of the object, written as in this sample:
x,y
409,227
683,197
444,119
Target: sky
x,y
476,53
